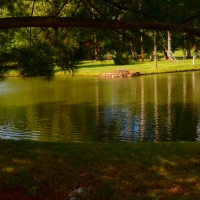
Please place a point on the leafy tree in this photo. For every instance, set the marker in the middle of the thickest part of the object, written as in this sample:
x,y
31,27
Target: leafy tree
x,y
38,35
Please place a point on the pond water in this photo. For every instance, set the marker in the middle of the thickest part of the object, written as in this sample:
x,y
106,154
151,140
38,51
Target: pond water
x,y
163,107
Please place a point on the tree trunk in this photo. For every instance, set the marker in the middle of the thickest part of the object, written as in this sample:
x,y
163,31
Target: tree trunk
x,y
189,52
95,46
165,55
95,41
155,49
133,50
169,46
150,57
33,6
184,54
184,48
194,56
142,46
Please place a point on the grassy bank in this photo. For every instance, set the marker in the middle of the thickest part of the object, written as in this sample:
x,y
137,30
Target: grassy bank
x,y
43,170
95,68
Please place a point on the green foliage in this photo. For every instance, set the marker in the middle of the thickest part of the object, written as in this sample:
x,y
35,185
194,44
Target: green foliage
x,y
39,55
35,61
33,190
3,73
122,59
37,51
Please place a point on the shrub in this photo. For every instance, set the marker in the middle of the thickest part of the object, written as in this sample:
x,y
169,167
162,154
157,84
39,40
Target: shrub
x,y
122,59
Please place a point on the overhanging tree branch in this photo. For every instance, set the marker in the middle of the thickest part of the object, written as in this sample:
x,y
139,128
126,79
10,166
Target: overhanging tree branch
x,y
190,19
132,10
55,22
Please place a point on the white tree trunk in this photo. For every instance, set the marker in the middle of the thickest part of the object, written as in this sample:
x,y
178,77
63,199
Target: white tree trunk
x,y
142,46
184,48
155,50
169,46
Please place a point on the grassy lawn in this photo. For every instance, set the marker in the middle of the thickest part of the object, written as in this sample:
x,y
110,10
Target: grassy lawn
x,y
44,170
95,68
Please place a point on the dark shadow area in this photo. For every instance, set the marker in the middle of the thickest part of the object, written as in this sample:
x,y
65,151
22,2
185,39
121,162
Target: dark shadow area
x,y
49,171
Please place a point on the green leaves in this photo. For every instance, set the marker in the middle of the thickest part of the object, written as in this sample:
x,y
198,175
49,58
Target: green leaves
x,y
40,54
122,59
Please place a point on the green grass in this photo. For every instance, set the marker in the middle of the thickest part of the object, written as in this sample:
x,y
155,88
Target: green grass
x,y
44,170
96,68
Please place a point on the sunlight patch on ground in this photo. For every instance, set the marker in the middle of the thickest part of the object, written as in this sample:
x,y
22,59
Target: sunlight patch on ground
x,y
8,169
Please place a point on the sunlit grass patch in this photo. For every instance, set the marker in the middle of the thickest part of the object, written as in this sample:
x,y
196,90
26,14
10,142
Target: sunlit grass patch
x,y
8,169
96,68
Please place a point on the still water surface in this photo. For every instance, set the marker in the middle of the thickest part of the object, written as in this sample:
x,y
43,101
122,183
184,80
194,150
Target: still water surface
x,y
162,107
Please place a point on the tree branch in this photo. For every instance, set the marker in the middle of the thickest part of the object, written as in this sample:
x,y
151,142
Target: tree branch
x,y
33,7
97,10
56,15
15,67
55,22
135,11
91,13
76,8
120,10
190,19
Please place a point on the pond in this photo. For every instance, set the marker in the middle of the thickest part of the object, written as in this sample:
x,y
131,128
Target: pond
x,y
153,108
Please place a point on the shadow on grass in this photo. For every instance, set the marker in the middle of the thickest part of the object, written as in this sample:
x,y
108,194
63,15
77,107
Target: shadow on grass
x,y
93,65
109,171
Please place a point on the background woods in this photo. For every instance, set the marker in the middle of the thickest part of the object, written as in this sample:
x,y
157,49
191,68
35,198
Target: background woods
x,y
38,36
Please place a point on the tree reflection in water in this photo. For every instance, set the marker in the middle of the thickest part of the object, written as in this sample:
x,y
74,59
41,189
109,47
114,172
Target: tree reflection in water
x,y
147,108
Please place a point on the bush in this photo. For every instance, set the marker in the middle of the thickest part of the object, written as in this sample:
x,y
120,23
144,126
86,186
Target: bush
x,y
122,59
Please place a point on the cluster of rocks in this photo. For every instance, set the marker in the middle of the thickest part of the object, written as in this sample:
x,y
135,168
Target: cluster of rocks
x,y
120,73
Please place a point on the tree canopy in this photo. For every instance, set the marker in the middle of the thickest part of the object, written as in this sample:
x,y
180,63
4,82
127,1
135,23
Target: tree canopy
x,y
38,35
